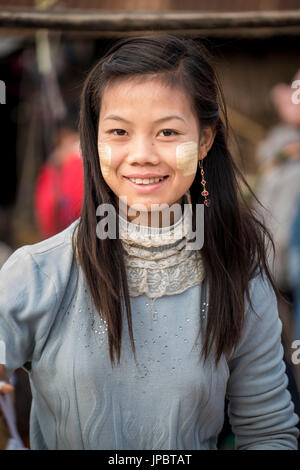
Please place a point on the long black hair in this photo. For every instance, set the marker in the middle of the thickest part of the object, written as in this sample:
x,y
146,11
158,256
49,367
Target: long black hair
x,y
235,240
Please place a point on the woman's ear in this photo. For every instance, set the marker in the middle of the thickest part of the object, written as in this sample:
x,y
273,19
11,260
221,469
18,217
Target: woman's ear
x,y
206,141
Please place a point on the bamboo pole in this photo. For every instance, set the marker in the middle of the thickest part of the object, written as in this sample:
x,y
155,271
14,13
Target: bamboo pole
x,y
122,21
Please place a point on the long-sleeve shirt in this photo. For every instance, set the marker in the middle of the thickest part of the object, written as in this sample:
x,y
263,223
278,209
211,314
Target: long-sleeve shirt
x,y
169,399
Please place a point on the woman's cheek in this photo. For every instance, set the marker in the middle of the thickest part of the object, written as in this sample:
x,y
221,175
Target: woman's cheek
x,y
104,152
187,158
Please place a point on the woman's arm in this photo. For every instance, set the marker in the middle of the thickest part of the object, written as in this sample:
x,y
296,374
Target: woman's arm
x,y
260,409
28,300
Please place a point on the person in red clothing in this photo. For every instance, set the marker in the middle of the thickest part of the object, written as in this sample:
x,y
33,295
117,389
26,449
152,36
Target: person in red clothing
x,y
59,186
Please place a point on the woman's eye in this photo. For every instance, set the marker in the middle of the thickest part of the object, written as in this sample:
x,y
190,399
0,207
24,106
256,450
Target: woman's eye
x,y
121,132
169,132
116,130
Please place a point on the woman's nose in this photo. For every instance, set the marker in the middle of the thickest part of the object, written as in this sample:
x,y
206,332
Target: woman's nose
x,y
143,151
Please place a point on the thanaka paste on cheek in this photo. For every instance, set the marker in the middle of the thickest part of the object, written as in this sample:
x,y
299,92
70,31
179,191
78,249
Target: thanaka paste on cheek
x,y
187,157
104,152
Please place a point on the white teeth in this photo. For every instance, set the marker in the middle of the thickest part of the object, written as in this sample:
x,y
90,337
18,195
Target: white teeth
x,y
146,180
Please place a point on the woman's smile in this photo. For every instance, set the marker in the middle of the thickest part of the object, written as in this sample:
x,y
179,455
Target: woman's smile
x,y
147,184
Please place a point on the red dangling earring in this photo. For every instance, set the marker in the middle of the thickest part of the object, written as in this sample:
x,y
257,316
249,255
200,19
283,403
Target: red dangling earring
x,y
204,193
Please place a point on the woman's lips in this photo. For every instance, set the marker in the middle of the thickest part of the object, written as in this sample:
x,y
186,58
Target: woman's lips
x,y
147,187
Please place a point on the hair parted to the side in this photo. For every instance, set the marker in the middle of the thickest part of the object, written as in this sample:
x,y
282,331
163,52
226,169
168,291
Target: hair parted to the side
x,y
235,242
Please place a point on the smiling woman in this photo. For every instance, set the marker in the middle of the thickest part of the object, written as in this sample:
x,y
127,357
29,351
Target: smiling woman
x,y
134,340
144,161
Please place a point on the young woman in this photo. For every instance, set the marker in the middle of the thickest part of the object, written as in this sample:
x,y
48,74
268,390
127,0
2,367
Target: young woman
x,y
133,333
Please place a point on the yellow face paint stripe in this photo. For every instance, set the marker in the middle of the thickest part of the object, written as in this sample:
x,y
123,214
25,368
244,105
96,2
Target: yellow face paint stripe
x,y
104,152
187,157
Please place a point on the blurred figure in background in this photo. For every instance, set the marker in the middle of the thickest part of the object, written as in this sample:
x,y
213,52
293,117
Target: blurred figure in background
x,y
59,187
279,191
294,276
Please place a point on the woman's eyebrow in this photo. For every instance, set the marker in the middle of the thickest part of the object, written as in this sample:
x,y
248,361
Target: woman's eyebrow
x,y
115,117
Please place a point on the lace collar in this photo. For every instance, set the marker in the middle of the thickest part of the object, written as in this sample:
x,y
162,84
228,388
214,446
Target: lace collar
x,y
158,260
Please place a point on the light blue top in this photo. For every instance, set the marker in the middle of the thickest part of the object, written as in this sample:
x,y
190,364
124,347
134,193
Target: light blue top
x,y
169,400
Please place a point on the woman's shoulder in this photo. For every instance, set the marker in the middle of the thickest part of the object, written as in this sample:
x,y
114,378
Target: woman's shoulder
x,y
60,241
50,259
262,295
62,237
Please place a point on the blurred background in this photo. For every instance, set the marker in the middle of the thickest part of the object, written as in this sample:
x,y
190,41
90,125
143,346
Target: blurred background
x,y
47,48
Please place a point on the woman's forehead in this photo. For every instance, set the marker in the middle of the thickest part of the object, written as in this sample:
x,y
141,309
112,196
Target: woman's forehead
x,y
127,96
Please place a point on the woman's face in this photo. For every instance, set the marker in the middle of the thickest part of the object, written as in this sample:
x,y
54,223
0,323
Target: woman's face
x,y
148,131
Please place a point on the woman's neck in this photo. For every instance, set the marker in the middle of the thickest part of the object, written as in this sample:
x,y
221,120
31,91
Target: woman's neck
x,y
158,234
165,216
